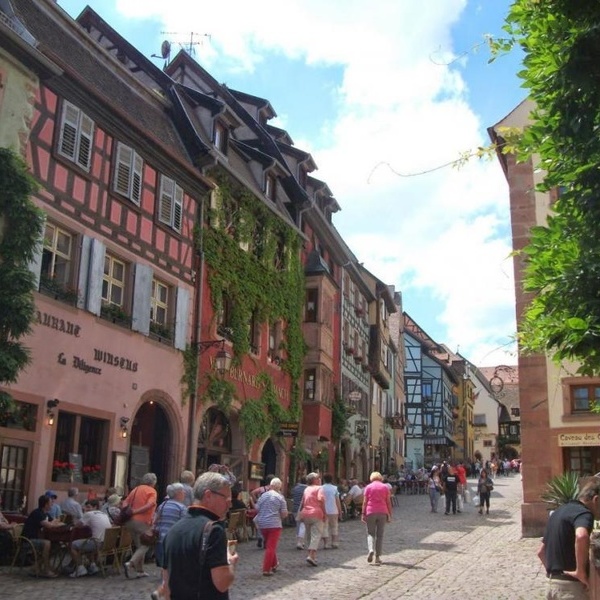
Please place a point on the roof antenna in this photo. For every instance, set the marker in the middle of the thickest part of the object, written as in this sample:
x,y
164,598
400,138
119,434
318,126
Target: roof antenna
x,y
165,52
189,46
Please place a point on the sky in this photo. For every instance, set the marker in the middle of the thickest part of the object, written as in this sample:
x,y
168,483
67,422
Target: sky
x,y
382,93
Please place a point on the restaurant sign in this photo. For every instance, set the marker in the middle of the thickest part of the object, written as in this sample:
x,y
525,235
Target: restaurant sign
x,y
579,439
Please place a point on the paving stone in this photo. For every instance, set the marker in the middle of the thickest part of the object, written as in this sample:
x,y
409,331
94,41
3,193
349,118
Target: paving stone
x,y
426,555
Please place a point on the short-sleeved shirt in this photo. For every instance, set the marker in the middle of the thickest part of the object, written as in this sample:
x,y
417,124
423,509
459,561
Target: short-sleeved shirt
x,y
167,514
71,507
559,537
138,497
451,483
269,507
377,495
312,502
187,581
330,492
33,523
297,493
97,521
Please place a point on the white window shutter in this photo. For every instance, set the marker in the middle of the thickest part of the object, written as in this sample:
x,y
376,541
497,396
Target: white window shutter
x,y
182,318
86,136
165,207
123,169
68,133
177,208
136,182
96,273
84,270
142,292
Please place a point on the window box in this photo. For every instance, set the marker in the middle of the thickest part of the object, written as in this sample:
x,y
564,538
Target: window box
x,y
115,314
161,333
59,291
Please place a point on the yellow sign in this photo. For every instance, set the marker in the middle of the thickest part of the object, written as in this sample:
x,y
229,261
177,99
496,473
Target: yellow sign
x,y
579,439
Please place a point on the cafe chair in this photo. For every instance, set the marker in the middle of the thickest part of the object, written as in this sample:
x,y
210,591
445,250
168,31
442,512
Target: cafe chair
x,y
24,553
124,548
236,526
110,549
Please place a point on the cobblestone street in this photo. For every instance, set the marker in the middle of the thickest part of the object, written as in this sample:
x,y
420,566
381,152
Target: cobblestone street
x,y
430,556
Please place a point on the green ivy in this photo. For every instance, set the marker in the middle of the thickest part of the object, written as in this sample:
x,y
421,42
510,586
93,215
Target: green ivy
x,y
189,379
339,416
221,392
21,227
257,286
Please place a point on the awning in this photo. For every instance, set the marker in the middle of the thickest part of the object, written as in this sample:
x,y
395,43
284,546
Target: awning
x,y
439,441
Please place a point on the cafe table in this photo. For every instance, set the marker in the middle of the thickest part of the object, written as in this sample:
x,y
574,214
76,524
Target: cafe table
x,y
60,540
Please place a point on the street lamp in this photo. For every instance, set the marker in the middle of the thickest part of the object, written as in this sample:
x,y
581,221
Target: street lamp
x,y
222,358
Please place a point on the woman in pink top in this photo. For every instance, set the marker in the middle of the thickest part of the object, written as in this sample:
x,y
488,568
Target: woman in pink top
x,y
376,512
312,514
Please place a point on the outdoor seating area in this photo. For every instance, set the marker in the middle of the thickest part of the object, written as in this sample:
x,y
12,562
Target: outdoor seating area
x,y
116,549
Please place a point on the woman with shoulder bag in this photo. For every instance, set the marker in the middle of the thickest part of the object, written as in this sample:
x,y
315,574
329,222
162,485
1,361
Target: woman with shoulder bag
x,y
435,488
142,503
484,486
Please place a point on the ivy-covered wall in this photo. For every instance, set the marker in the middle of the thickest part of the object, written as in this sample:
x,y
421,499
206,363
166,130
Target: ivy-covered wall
x,y
253,257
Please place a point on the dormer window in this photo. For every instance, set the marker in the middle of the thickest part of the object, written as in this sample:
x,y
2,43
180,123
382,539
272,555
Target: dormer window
x,y
270,187
221,137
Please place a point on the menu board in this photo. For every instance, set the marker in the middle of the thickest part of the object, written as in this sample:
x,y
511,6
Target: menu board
x,y
77,473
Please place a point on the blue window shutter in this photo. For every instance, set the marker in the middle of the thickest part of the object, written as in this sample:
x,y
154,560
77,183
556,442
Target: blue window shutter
x,y
182,318
93,299
35,265
84,271
142,291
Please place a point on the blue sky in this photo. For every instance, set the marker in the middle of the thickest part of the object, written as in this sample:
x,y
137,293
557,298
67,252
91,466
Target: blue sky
x,y
378,91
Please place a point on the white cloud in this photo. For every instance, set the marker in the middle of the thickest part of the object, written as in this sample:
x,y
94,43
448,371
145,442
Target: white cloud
x,y
402,109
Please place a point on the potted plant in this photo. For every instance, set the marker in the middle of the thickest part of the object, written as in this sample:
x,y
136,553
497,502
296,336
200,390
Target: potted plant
x,y
561,489
62,471
92,474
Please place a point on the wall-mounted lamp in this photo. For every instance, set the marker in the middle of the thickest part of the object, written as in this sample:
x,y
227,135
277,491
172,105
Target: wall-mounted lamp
x,y
222,358
50,406
123,422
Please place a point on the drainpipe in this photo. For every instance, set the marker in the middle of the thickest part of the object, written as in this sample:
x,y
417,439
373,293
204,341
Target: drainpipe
x,y
196,330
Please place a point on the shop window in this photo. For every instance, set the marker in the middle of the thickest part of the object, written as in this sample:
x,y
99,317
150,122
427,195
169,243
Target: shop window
x,y
311,306
84,437
13,463
76,133
310,384
128,173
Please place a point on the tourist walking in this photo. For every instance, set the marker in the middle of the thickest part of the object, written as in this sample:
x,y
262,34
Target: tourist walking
x,y
167,514
312,513
485,485
142,502
198,563
450,481
376,512
565,547
297,493
333,508
435,488
271,509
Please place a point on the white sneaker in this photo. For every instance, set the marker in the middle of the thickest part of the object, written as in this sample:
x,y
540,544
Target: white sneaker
x,y
80,571
93,569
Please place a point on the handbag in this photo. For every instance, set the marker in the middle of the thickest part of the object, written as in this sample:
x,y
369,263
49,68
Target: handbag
x,y
124,515
150,536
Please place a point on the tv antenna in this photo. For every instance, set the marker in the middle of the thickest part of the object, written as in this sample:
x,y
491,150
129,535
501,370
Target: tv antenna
x,y
189,46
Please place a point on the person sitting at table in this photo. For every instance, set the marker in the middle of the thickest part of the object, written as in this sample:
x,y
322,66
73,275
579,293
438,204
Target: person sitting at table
x,y
55,509
71,507
112,507
98,522
236,502
37,520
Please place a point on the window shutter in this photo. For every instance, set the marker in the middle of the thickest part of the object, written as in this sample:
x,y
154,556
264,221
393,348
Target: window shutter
x,y
165,208
85,141
84,270
123,169
136,183
68,133
96,273
142,292
181,318
177,208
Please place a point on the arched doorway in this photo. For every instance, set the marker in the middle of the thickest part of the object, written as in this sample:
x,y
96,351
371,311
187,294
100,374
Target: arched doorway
x,y
269,458
214,439
151,441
